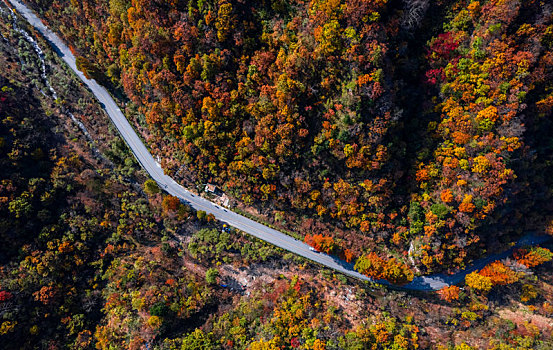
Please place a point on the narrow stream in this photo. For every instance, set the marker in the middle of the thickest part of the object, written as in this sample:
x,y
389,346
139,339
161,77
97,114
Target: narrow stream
x,y
44,77
39,53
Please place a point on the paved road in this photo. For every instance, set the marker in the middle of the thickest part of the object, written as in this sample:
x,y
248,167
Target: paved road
x,y
279,239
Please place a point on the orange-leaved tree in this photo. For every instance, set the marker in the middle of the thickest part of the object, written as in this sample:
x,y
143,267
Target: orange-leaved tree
x,y
449,293
170,203
533,257
321,243
499,274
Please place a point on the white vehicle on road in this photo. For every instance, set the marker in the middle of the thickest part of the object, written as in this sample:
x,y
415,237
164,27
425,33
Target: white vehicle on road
x,y
265,233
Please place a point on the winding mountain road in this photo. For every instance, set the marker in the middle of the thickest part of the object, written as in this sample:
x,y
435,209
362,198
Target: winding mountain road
x,y
279,239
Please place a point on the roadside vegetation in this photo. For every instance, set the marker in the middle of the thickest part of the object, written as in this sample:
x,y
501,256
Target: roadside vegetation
x,y
411,135
95,256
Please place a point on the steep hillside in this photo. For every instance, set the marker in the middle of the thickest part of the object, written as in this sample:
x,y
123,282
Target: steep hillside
x,y
401,128
94,256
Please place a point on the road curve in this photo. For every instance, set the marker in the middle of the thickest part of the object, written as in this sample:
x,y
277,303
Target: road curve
x,y
279,239
167,183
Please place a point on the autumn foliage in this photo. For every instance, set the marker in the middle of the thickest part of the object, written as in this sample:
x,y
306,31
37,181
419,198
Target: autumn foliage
x,y
170,203
312,108
499,274
483,75
425,146
389,269
478,282
5,296
348,255
533,256
495,273
450,293
320,243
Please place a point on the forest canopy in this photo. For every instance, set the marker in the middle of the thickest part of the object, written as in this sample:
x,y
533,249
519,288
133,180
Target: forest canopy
x,y
404,137
413,130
